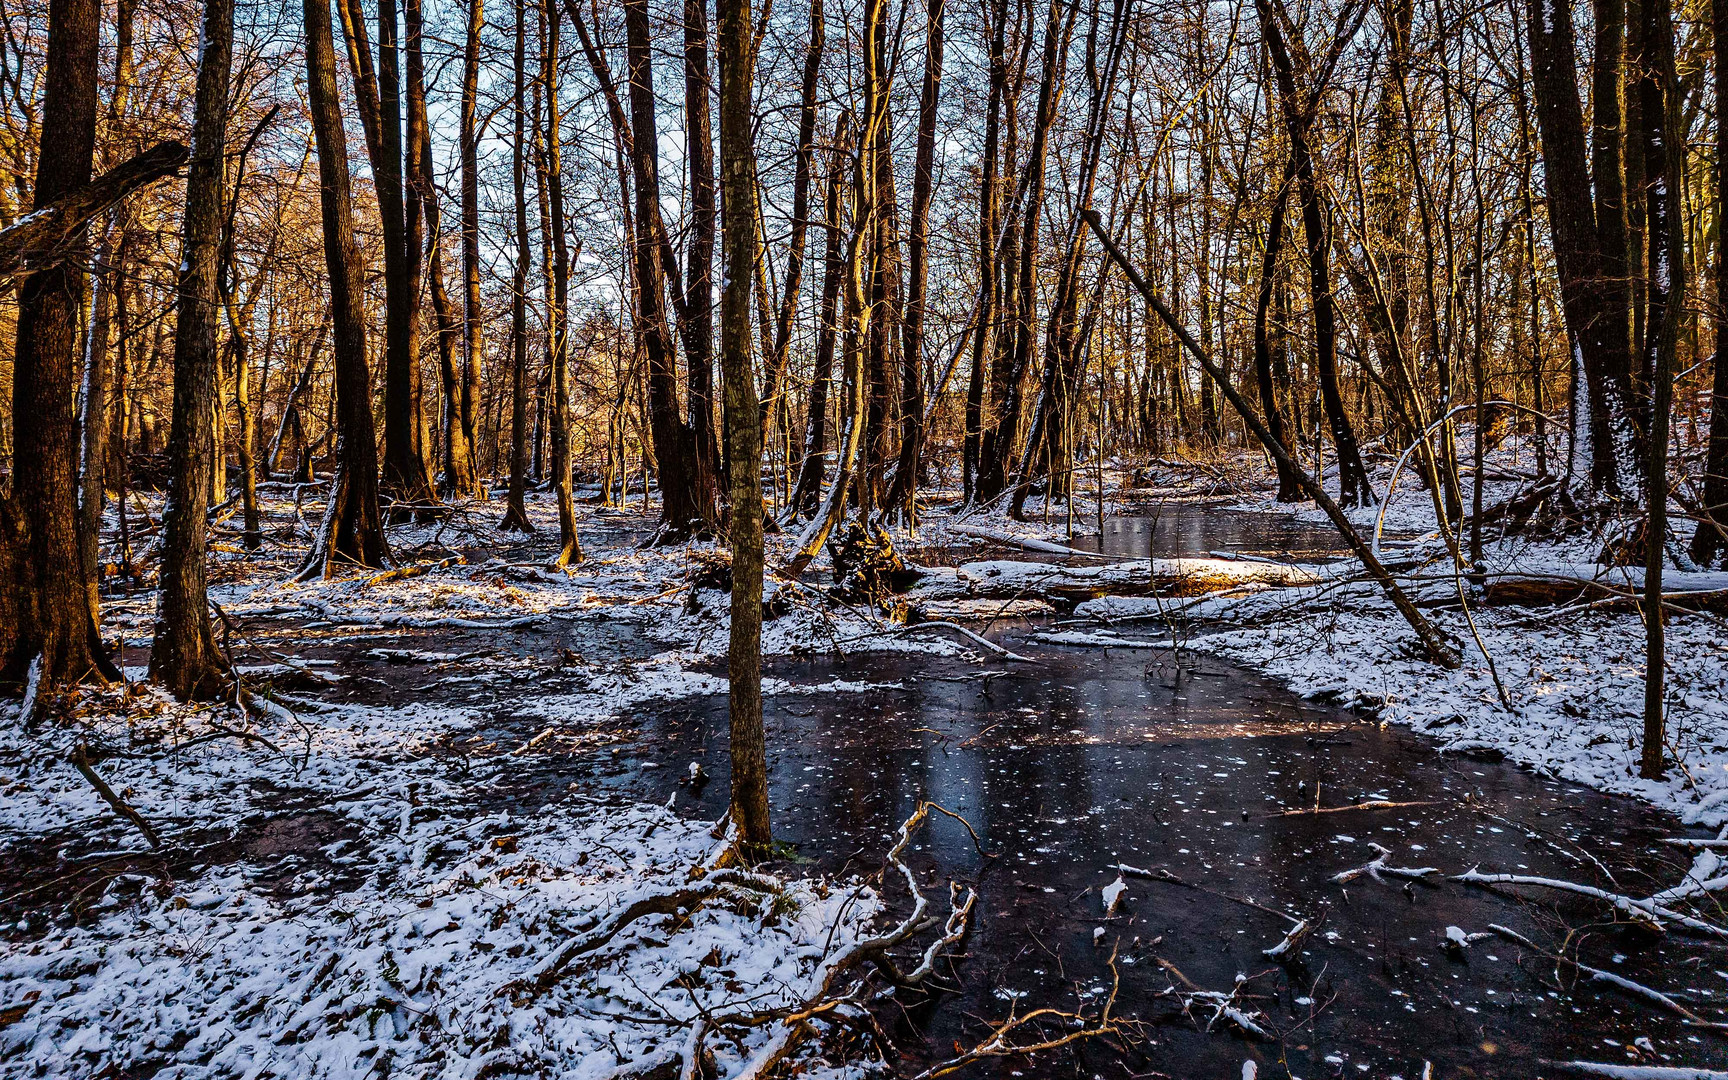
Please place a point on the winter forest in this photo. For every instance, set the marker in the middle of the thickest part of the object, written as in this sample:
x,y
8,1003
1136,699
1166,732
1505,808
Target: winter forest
x,y
747,539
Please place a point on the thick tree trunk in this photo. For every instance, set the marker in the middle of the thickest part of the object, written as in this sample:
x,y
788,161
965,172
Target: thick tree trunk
x,y
459,479
379,97
352,531
44,599
184,655
743,427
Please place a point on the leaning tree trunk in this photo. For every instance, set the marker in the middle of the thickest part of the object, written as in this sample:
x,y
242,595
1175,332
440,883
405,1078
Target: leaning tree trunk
x,y
352,531
864,212
1353,486
184,655
743,427
44,601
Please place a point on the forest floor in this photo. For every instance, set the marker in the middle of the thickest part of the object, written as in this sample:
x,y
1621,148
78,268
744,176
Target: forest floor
x,y
363,871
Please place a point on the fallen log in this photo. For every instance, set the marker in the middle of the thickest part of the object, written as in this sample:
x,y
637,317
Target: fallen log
x,y
1006,578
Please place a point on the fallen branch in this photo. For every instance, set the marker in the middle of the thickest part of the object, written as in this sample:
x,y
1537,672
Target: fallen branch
x,y
80,758
999,1044
1620,982
1644,912
977,639
1638,1072
1378,865
1371,804
413,570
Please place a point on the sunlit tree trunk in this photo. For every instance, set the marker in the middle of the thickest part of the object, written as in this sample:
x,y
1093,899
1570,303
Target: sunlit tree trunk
x,y
352,532
44,599
184,655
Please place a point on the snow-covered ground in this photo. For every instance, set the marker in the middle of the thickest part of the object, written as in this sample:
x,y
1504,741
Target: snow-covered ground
x,y
398,933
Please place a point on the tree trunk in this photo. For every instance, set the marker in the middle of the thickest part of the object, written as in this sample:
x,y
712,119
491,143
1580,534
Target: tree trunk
x,y
44,599
775,373
905,490
1353,486
459,478
352,531
743,427
858,290
1598,450
184,655
1710,540
814,466
472,313
515,509
688,499
558,308
1664,111
699,275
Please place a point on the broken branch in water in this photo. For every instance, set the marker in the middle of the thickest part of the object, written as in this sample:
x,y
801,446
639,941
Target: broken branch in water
x,y
977,639
1596,974
1378,865
1646,913
1000,1044
1371,804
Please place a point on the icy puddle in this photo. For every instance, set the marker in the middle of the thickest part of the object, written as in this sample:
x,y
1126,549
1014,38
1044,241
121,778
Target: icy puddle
x,y
1092,758
1175,529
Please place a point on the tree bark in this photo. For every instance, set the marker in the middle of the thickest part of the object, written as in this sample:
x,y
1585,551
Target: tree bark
x,y
1663,113
473,315
743,427
814,466
699,272
904,493
558,313
1710,539
184,655
688,498
515,508
44,599
1601,434
352,531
